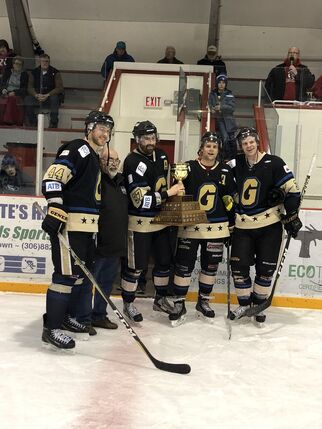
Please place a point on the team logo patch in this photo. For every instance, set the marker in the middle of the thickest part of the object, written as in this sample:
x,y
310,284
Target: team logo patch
x,y
287,170
84,151
64,153
141,169
147,202
53,186
130,178
165,164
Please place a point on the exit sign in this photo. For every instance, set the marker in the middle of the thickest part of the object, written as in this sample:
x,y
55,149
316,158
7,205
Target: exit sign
x,y
152,102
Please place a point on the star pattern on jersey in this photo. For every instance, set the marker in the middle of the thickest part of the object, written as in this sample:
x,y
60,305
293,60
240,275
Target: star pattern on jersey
x,y
197,228
139,221
84,220
267,215
255,219
278,210
220,227
209,228
243,219
93,220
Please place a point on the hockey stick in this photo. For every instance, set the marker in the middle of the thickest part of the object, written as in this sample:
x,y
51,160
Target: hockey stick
x,y
178,368
228,291
253,311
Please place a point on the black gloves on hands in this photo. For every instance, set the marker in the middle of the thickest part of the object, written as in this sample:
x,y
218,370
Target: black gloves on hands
x,y
275,196
292,223
55,219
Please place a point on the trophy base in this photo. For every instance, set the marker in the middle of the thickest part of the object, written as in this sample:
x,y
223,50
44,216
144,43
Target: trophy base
x,y
181,211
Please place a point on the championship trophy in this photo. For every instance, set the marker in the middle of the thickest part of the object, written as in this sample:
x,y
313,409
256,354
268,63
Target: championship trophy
x,y
181,209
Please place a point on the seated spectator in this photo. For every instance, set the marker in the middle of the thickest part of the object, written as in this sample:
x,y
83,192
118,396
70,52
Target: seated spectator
x,y
10,175
119,54
13,88
289,80
46,90
6,55
222,104
212,59
170,56
317,89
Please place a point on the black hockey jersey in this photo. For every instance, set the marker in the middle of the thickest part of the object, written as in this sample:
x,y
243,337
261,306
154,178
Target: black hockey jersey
x,y
146,181
254,184
208,186
74,180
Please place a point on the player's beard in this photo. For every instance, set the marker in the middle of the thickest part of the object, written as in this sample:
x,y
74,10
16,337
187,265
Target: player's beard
x,y
148,149
112,172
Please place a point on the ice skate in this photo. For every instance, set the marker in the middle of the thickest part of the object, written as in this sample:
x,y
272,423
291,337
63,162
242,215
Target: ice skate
x,y
178,315
161,303
132,312
203,308
78,330
260,319
238,313
57,340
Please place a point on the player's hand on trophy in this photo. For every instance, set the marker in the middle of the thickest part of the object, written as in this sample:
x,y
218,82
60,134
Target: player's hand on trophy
x,y
175,189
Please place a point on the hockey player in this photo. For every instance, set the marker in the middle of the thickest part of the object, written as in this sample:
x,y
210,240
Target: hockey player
x,y
265,184
145,171
212,184
71,186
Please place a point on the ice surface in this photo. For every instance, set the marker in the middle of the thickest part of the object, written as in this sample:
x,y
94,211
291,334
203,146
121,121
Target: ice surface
x,y
263,378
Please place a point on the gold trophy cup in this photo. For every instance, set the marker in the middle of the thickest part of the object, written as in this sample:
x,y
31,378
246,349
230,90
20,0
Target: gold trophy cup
x,y
180,209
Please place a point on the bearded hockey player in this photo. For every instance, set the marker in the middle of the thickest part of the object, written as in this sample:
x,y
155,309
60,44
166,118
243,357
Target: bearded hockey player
x,y
71,186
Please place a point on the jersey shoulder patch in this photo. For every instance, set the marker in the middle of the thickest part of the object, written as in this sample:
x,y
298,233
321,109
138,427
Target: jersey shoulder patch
x,y
84,151
141,168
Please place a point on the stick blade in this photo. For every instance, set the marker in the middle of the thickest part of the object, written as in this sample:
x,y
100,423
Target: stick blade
x,y
177,368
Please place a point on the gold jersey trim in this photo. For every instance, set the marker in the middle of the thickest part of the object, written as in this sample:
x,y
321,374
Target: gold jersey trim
x,y
143,224
204,230
82,222
259,220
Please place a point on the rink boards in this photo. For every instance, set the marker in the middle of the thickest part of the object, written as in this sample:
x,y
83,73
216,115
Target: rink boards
x,y
25,259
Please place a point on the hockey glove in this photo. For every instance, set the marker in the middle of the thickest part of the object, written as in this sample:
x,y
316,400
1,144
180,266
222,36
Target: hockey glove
x,y
292,223
275,197
55,219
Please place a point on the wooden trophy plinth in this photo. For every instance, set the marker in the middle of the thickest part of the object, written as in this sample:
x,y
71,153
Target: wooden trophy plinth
x,y
181,210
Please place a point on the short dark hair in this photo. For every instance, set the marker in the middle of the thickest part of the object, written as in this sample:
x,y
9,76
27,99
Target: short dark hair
x,y
44,56
4,44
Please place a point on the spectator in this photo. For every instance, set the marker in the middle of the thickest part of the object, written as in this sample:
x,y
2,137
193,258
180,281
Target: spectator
x,y
112,236
212,59
119,54
6,55
45,89
222,105
317,89
13,88
289,80
10,175
170,56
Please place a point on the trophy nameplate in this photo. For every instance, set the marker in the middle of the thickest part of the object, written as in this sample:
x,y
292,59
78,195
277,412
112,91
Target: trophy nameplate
x,y
181,209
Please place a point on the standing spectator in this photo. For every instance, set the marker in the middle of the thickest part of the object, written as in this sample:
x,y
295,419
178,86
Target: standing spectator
x,y
45,89
289,80
222,105
119,54
170,56
212,59
112,236
6,55
71,186
145,172
13,88
264,183
211,183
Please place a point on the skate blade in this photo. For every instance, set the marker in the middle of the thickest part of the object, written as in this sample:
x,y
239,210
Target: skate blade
x,y
175,323
77,335
51,347
259,325
204,318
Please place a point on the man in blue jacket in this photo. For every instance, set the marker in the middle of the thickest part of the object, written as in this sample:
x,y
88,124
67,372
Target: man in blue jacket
x,y
119,54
